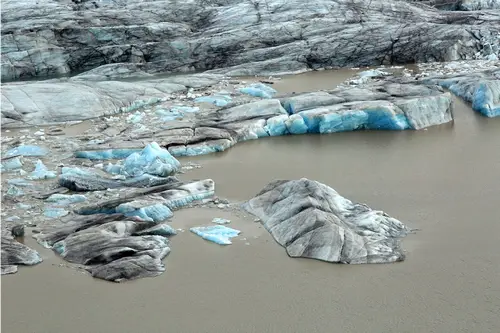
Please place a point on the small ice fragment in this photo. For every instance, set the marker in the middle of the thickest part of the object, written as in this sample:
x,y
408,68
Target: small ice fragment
x,y
12,164
55,212
219,220
218,234
41,172
65,199
27,150
217,100
14,191
19,182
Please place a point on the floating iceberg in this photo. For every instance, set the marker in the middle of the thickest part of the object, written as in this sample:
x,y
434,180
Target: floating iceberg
x,y
312,220
218,234
41,172
152,160
219,220
27,150
217,100
259,90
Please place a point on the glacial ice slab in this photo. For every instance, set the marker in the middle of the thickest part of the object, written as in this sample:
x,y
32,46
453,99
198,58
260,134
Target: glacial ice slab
x,y
312,220
27,150
218,234
481,89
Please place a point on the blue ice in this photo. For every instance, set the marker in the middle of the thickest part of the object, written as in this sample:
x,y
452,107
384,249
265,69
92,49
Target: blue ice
x,y
27,150
152,160
217,100
218,234
276,126
12,164
41,172
154,213
296,124
135,118
184,109
14,191
483,101
108,154
54,212
259,90
168,115
65,199
19,182
195,150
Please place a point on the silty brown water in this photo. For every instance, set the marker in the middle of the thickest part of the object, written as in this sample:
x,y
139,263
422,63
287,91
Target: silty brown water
x,y
443,181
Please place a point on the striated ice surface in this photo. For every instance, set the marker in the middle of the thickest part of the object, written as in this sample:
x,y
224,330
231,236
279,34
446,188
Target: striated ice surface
x,y
312,220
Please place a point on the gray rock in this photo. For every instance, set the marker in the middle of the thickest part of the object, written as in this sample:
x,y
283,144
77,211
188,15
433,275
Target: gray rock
x,y
56,37
312,220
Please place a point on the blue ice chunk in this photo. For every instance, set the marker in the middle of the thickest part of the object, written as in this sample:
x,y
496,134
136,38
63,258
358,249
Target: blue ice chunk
x,y
27,150
259,90
218,234
296,124
13,218
168,115
483,101
76,171
12,164
54,212
108,154
153,213
220,220
217,100
14,191
19,182
59,247
200,149
41,172
62,200
152,160
276,126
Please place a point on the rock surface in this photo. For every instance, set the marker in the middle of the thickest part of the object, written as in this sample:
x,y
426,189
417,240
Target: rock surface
x,y
245,37
312,220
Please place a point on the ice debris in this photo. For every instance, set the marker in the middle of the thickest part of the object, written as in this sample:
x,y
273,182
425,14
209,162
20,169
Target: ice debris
x,y
218,234
41,172
27,150
12,164
135,117
54,212
14,191
259,90
217,100
152,160
19,182
62,200
219,220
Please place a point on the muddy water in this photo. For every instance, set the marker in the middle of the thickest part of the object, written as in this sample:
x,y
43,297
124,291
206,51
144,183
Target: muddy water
x,y
443,180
